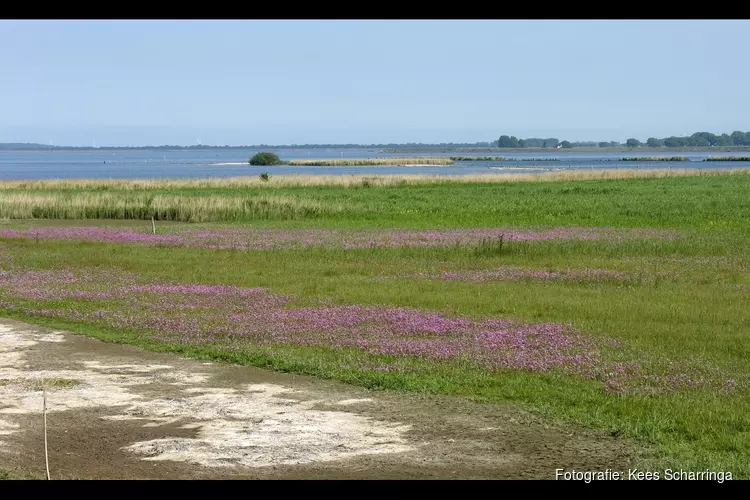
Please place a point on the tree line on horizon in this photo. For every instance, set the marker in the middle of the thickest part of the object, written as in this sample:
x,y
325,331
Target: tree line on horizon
x,y
698,139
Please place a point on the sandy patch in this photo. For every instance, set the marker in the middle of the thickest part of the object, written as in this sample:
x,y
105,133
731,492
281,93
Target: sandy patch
x,y
7,428
258,426
347,402
251,425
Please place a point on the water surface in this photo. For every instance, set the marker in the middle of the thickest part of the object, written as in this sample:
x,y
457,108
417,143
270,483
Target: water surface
x,y
155,164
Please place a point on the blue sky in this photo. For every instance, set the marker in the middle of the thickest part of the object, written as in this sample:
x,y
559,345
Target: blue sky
x,y
368,81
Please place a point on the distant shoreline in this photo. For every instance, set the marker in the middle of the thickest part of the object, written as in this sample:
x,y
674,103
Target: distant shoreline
x,y
557,151
562,151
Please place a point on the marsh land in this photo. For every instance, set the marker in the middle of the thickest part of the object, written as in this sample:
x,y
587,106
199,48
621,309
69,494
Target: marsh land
x,y
604,311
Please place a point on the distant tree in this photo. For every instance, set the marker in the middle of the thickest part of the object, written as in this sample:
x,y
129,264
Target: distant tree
x,y
723,140
507,142
535,142
675,142
702,139
522,143
265,159
566,145
653,142
604,144
739,138
632,143
698,140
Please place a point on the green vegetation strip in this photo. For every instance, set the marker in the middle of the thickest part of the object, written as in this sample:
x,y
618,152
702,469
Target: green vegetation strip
x,y
717,200
728,158
357,162
477,158
655,158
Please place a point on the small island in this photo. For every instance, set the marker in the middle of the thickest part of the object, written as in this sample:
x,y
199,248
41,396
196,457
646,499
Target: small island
x,y
265,159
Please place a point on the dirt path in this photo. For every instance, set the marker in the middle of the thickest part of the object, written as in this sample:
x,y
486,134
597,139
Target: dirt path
x,y
116,411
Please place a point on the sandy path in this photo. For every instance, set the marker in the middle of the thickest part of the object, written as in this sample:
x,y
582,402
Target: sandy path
x,y
120,412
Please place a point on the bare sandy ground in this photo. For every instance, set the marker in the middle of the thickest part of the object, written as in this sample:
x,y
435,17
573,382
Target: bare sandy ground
x,y
118,412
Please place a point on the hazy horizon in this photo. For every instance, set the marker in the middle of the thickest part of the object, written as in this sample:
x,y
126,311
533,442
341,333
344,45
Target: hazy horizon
x,y
146,142
139,83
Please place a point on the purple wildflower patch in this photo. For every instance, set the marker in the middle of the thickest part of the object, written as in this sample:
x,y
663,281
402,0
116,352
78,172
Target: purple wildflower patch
x,y
89,234
276,239
234,317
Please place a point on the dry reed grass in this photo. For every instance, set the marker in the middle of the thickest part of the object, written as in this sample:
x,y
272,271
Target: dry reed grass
x,y
360,162
354,181
142,205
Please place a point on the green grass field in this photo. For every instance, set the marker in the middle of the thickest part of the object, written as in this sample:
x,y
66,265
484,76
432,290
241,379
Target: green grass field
x,y
680,311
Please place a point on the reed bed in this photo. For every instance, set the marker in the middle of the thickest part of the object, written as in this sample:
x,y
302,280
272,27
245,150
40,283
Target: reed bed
x,y
728,158
477,158
144,206
534,168
352,181
360,162
655,158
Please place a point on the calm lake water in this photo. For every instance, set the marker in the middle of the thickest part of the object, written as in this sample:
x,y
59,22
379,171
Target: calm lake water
x,y
143,164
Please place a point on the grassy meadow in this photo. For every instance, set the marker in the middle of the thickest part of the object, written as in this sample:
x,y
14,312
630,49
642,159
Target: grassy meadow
x,y
618,300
